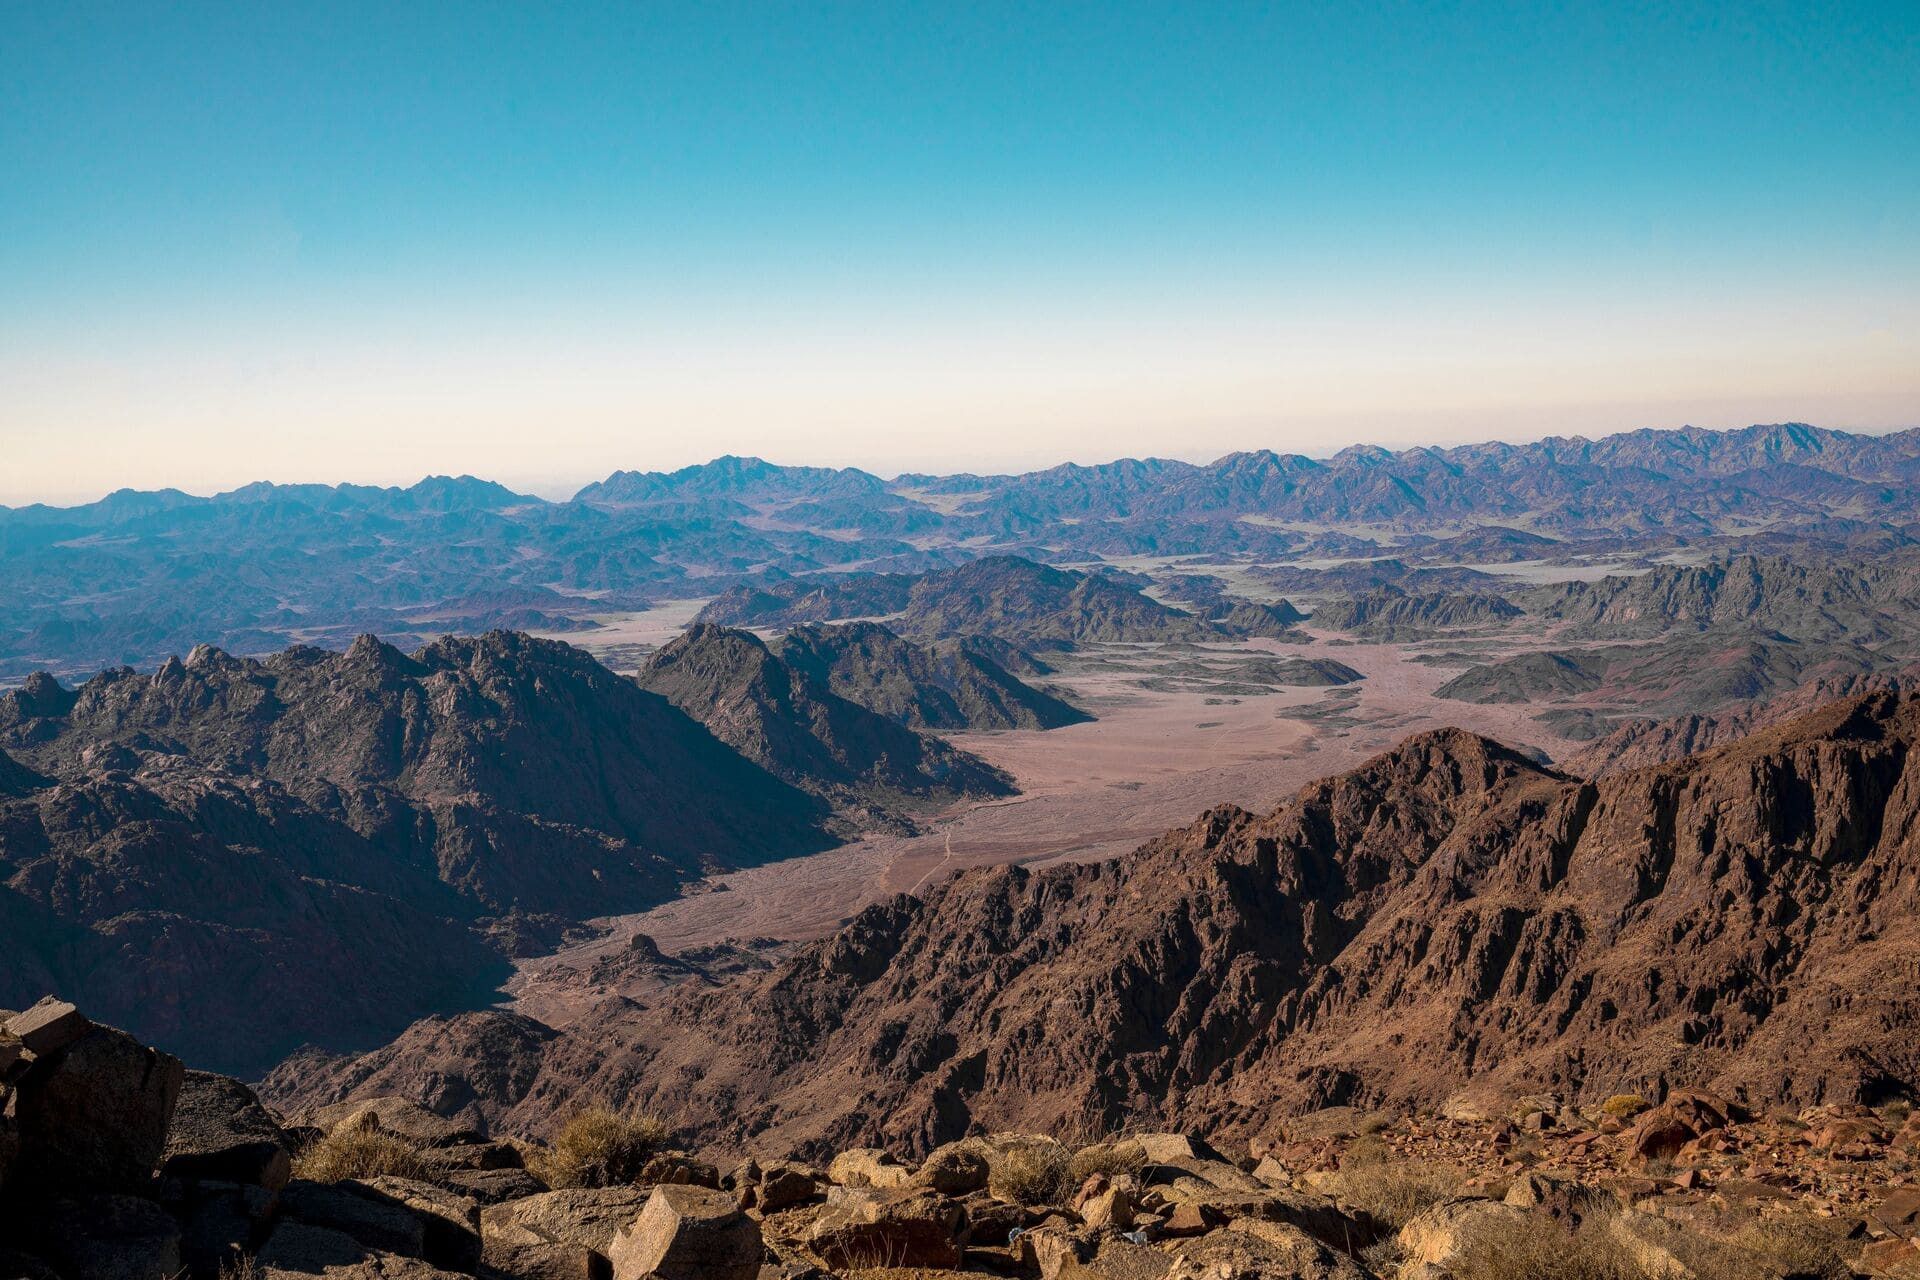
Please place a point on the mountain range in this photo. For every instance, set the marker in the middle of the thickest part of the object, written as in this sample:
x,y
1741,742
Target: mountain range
x,y
267,565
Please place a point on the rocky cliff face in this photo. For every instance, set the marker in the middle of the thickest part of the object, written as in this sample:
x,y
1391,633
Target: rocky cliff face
x,y
1449,924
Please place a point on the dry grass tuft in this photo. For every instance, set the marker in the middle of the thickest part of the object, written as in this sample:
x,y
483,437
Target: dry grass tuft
x,y
364,1152
599,1147
1390,1191
1523,1251
1623,1106
1031,1173
1800,1248
240,1266
1123,1156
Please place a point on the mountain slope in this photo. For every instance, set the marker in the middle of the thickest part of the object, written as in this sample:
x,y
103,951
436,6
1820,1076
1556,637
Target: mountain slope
x,y
1019,600
939,686
525,773
781,717
1448,922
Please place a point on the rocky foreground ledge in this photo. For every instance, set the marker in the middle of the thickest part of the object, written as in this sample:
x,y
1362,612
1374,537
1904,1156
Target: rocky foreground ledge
x,y
116,1163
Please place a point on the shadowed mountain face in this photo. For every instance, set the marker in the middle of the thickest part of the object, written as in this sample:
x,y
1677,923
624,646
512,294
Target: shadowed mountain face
x,y
521,771
791,723
1446,922
939,686
237,857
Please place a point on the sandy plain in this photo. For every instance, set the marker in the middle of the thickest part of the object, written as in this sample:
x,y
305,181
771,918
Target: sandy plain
x,y
1155,758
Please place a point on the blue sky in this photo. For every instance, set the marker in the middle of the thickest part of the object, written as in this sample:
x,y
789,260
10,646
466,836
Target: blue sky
x,y
341,241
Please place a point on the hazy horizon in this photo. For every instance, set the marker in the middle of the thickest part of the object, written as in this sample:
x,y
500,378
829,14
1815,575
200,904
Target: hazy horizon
x,y
358,242
563,489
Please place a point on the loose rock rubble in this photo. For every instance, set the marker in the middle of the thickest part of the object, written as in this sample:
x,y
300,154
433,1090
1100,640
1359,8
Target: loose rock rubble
x,y
118,1164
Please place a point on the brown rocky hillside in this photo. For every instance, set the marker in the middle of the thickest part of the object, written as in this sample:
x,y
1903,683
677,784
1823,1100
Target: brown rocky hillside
x,y
1446,926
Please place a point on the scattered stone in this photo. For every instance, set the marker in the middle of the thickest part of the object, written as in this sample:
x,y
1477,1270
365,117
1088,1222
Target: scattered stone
x,y
783,1184
300,1251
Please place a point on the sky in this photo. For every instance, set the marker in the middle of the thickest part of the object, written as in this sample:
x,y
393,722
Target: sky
x,y
369,242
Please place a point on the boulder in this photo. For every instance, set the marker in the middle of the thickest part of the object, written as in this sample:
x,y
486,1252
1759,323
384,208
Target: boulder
x,y
909,1227
545,1261
953,1170
398,1116
93,1115
48,1027
688,1233
868,1167
106,1237
450,1222
301,1251
377,1220
783,1184
1255,1250
221,1133
1660,1133
586,1216
1442,1233
480,1156
1175,1148
494,1186
1562,1199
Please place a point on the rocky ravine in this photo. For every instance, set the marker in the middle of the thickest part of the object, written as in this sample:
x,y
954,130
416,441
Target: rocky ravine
x,y
1445,927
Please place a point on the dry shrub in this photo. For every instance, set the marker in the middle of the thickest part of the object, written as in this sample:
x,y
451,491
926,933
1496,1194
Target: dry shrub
x,y
599,1147
361,1152
240,1266
1372,1123
1123,1156
1031,1173
1526,1251
1800,1247
1623,1106
1390,1191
